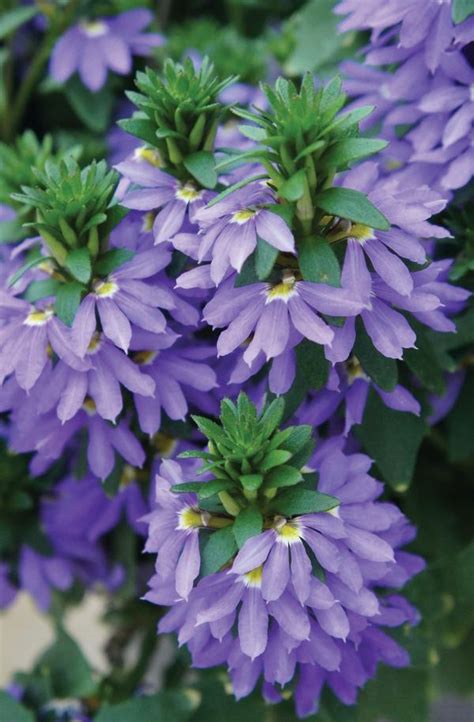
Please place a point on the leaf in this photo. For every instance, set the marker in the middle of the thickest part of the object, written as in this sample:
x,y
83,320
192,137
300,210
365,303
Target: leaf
x,y
217,549
166,706
111,260
282,476
265,257
234,187
94,109
271,417
13,711
392,439
253,132
302,501
461,10
142,128
70,672
68,298
41,289
251,482
202,167
248,273
312,365
347,151
318,262
26,267
210,429
424,362
247,524
293,188
382,370
78,263
316,38
274,458
460,423
299,436
10,20
353,205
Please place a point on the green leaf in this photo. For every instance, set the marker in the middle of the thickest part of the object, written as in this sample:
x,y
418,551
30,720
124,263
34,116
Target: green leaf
x,y
94,109
68,298
10,20
247,524
78,263
265,257
111,260
293,188
460,423
353,205
166,706
274,458
382,370
26,267
13,711
316,39
210,429
318,262
201,165
251,482
205,489
142,128
282,476
248,273
302,501
298,438
217,549
234,187
271,417
312,365
68,669
41,289
347,151
423,361
253,132
392,439
461,10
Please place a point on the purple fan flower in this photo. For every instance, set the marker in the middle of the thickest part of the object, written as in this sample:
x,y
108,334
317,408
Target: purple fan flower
x,y
94,47
176,370
269,615
25,335
7,590
67,389
272,311
230,228
124,299
178,202
173,531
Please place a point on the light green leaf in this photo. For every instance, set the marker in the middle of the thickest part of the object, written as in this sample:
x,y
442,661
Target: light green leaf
x,y
68,669
94,109
302,501
347,151
202,167
26,267
166,706
265,257
10,20
78,263
217,549
247,524
318,262
68,298
282,476
293,188
461,10
111,260
353,205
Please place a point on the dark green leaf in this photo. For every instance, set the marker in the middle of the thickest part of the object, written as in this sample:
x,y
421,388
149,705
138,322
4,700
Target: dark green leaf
x,y
111,260
13,711
265,257
353,205
10,20
247,524
70,673
217,549
282,476
41,289
201,165
382,370
318,262
166,706
68,298
94,109
271,417
274,458
424,362
312,365
293,188
247,274
235,186
26,267
346,151
461,10
301,501
141,128
392,439
78,263
460,423
298,438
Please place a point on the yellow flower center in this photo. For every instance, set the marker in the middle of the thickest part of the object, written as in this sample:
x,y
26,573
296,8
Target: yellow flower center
x,y
242,216
89,406
147,223
254,578
128,476
94,28
354,370
95,344
283,290
189,519
144,358
188,193
361,233
38,318
288,531
164,444
150,155
105,289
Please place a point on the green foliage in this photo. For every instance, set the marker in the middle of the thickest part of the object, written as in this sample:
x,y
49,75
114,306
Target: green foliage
x,y
461,10
166,706
13,711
